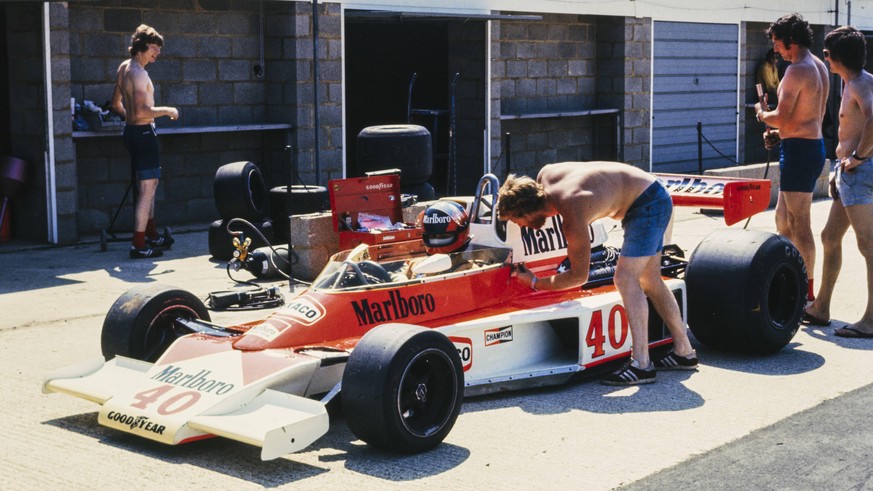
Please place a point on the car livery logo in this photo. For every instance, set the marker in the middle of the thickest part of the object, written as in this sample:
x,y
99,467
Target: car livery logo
x,y
465,350
306,310
303,310
688,185
394,308
499,335
136,422
549,238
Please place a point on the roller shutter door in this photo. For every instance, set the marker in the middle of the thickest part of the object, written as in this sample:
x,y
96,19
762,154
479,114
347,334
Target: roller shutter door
x,y
694,79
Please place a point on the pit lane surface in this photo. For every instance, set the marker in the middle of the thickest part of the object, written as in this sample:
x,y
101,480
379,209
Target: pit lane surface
x,y
714,424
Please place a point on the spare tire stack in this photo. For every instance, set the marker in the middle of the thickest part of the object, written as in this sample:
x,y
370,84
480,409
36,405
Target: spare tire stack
x,y
239,192
408,147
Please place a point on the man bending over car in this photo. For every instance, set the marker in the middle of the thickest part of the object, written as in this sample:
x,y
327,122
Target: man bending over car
x,y
582,192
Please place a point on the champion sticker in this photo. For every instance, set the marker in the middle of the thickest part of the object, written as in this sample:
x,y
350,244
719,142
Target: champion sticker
x,y
499,335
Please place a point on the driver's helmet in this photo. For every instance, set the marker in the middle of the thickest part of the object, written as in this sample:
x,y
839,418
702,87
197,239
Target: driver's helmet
x,y
445,227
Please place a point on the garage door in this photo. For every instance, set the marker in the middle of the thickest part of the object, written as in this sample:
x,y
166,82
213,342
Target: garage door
x,y
694,79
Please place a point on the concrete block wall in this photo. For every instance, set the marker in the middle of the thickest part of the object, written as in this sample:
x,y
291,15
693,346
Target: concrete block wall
x,y
541,67
207,69
567,63
189,163
27,118
299,49
637,88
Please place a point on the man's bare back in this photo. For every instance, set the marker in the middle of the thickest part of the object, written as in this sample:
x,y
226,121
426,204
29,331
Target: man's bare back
x,y
592,190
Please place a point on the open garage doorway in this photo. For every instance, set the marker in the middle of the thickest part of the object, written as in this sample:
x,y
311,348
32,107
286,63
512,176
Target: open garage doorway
x,y
382,53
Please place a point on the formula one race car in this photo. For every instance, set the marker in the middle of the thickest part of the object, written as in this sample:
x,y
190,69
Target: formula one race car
x,y
401,341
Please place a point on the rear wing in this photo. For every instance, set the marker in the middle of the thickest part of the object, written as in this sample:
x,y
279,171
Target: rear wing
x,y
739,198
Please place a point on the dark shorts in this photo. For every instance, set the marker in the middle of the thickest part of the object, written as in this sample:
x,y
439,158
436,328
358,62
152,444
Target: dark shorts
x,y
646,221
800,163
856,187
142,144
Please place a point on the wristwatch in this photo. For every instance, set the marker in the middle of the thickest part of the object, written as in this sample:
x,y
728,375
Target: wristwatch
x,y
533,283
856,157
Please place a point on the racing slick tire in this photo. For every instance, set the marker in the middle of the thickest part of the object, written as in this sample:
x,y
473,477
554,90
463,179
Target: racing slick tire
x,y
746,291
402,388
406,146
240,191
140,323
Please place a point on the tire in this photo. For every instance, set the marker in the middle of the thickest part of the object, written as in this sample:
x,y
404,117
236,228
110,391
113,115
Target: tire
x,y
746,291
140,323
221,243
387,374
304,199
240,191
406,146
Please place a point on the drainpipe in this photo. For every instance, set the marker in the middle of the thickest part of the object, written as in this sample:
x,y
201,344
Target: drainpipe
x,y
49,154
315,89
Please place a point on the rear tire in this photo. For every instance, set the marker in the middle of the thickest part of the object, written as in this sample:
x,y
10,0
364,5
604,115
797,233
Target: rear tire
x,y
140,323
746,291
402,388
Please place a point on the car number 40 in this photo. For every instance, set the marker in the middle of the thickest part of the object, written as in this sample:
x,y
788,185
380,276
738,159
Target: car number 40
x,y
171,405
616,329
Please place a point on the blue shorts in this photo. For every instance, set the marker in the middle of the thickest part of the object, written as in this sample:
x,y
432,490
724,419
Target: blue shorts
x,y
646,221
800,163
855,187
142,144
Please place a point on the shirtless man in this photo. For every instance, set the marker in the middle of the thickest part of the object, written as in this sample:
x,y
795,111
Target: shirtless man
x,y
803,94
852,185
582,192
134,99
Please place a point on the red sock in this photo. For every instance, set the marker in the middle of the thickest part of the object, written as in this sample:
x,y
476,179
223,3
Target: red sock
x,y
810,291
139,240
151,231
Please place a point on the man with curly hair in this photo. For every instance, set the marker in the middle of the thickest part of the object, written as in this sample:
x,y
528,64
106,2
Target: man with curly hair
x,y
582,192
134,99
797,121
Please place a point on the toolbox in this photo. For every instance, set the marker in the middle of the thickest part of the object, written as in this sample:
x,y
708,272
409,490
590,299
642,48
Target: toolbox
x,y
367,210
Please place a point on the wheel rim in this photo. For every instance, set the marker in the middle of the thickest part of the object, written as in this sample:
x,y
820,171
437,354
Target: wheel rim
x,y
163,331
782,297
427,393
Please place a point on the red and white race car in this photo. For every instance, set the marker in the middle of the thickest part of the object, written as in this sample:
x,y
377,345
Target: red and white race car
x,y
401,341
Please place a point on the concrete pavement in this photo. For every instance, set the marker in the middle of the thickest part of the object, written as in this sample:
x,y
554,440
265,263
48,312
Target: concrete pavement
x,y
782,421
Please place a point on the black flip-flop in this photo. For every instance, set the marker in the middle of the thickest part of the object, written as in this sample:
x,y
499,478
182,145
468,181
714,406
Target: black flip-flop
x,y
812,320
851,332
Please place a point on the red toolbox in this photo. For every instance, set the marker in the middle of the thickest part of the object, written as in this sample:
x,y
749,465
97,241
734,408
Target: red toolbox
x,y
367,210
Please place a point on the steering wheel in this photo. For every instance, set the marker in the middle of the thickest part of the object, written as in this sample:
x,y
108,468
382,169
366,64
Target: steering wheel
x,y
363,273
373,272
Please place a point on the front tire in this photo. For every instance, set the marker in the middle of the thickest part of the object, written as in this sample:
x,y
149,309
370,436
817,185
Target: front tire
x,y
402,388
746,291
141,325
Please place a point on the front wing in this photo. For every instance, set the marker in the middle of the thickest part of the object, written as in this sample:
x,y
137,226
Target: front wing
x,y
278,422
